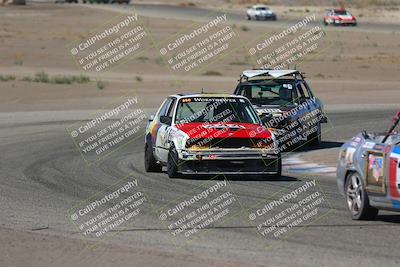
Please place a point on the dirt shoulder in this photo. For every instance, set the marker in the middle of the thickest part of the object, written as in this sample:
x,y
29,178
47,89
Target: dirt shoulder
x,y
349,68
20,248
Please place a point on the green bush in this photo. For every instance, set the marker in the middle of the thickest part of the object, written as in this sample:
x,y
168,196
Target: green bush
x,y
100,85
41,77
6,78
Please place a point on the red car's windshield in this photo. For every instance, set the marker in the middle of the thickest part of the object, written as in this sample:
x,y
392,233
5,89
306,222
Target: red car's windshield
x,y
341,12
213,109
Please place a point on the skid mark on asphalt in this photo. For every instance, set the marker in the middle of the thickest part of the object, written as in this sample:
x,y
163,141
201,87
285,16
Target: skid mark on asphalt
x,y
294,164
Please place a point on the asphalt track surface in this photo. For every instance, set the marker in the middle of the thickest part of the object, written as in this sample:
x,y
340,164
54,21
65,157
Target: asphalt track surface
x,y
43,175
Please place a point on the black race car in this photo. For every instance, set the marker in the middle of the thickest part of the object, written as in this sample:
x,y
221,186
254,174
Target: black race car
x,y
284,101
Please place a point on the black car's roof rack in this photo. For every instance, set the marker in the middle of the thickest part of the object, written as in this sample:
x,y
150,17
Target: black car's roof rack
x,y
270,73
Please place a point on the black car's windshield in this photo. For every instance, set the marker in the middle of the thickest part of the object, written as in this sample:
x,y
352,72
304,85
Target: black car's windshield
x,y
215,109
279,93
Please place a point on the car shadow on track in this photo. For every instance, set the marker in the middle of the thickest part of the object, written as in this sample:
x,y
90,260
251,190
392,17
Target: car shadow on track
x,y
323,145
392,218
239,177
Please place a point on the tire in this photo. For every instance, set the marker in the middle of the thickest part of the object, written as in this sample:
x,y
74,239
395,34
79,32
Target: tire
x,y
315,139
279,174
248,17
150,163
325,23
172,163
357,199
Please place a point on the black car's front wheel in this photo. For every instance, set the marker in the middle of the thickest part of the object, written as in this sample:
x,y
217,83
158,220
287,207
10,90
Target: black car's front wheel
x,y
150,163
172,163
357,199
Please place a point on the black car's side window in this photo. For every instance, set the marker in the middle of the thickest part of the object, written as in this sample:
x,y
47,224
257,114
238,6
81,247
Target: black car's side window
x,y
308,89
302,92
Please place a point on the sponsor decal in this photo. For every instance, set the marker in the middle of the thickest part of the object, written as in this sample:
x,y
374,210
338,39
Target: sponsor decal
x,y
212,99
387,149
349,155
396,204
375,166
369,145
379,147
154,130
394,175
270,110
288,86
353,144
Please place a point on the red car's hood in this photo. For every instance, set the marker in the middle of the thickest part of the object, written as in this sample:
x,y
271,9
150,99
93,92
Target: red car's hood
x,y
224,130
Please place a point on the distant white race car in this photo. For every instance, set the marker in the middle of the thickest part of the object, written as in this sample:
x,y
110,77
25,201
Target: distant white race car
x,y
260,12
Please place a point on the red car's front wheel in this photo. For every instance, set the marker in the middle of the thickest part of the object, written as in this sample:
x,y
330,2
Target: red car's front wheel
x,y
172,163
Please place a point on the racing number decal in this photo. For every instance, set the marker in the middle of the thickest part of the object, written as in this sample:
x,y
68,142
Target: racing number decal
x,y
394,174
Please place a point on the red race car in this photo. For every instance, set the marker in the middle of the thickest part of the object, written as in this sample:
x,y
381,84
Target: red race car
x,y
210,134
339,17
